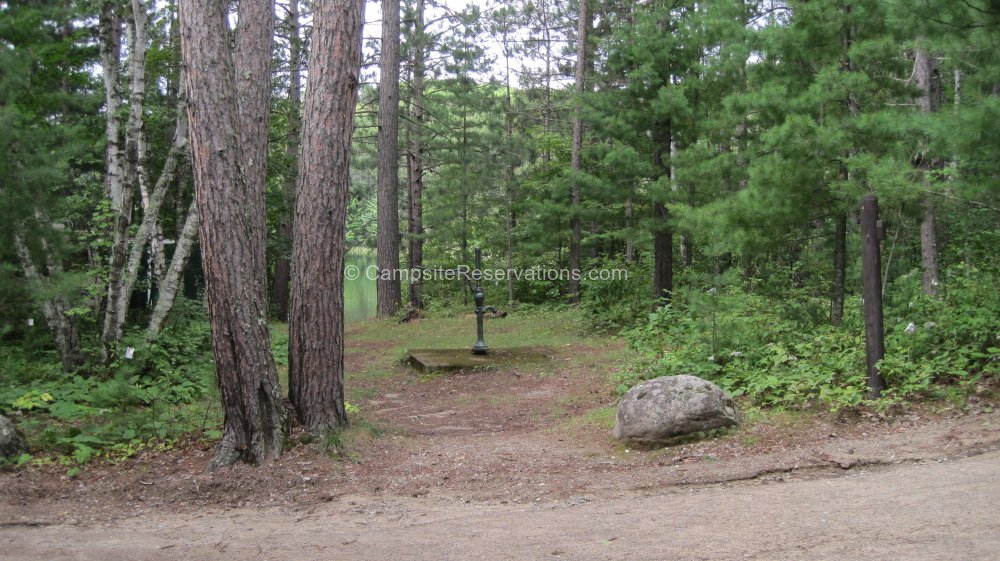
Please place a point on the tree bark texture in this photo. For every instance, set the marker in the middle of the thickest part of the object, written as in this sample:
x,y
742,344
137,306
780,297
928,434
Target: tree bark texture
x,y
928,80
316,330
415,158
232,215
252,58
576,157
387,286
282,263
136,141
509,169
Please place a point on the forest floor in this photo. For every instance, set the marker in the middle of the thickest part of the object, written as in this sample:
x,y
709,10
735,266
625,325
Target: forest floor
x,y
518,463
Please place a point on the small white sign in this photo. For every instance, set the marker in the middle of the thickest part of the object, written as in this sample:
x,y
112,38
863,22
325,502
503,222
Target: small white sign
x,y
31,322
129,352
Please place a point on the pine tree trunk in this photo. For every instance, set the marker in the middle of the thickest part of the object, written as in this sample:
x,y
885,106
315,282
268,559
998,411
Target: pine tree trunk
x,y
174,276
928,80
282,264
576,157
387,237
316,330
229,193
415,159
252,60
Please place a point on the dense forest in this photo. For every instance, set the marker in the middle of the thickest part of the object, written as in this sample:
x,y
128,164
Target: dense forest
x,y
179,180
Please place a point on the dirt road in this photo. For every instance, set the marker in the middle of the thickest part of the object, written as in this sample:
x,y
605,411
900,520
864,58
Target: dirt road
x,y
931,510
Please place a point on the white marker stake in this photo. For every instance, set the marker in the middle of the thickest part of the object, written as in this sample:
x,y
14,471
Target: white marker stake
x,y
129,352
31,322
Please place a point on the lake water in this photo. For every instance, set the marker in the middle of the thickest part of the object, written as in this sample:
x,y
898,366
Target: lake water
x,y
359,293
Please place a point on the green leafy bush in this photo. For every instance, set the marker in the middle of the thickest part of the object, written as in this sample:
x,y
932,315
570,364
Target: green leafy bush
x,y
114,411
776,354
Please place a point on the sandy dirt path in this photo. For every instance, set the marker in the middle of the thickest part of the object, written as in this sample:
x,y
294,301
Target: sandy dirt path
x,y
926,510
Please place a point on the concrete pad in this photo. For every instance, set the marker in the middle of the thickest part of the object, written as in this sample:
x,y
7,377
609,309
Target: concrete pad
x,y
449,360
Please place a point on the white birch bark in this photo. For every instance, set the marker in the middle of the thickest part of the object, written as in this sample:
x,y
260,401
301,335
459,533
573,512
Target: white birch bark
x,y
172,279
151,214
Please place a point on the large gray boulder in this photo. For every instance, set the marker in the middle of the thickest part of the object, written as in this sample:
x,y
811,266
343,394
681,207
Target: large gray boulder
x,y
662,409
12,441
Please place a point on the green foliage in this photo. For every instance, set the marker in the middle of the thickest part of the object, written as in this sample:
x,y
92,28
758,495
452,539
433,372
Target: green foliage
x,y
150,401
611,306
954,340
765,349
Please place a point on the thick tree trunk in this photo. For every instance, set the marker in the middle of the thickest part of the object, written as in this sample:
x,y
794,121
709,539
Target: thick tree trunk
x,y
174,276
226,167
415,159
282,263
316,330
387,255
928,79
63,329
252,59
576,157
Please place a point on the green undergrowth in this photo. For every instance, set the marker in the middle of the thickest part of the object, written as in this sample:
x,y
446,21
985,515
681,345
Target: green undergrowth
x,y
782,353
165,392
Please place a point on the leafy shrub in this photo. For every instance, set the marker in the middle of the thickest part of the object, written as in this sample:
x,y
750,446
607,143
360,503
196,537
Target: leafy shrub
x,y
117,410
763,348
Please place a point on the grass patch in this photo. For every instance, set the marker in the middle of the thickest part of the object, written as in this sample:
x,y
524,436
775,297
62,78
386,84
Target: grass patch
x,y
344,442
601,418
